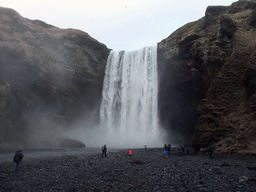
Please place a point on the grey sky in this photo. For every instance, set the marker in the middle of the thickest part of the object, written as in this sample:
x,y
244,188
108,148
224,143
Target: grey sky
x,y
119,24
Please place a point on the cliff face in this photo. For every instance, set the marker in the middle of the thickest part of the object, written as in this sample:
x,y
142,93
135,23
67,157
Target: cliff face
x,y
49,77
207,75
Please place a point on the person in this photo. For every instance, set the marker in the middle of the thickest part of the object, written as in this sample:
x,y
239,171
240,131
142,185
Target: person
x,y
183,150
145,147
104,151
211,150
129,152
18,158
165,150
169,148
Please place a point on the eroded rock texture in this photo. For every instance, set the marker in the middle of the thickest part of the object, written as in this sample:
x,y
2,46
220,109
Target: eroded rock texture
x,y
50,77
207,75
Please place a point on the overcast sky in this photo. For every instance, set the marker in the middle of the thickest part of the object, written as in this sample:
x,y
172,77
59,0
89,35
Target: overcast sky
x,y
119,24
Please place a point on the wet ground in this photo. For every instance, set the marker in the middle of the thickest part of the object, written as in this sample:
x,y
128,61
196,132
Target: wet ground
x,y
145,171
34,154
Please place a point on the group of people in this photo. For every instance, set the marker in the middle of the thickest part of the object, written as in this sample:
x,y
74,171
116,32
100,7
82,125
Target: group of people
x,y
184,150
167,150
104,151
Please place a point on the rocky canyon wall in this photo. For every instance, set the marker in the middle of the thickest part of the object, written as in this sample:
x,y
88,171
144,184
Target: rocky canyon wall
x,y
49,78
207,80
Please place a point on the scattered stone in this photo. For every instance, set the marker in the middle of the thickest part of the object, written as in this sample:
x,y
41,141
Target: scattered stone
x,y
138,162
251,167
243,179
76,173
224,164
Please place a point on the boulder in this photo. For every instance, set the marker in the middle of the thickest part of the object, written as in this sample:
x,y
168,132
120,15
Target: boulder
x,y
71,143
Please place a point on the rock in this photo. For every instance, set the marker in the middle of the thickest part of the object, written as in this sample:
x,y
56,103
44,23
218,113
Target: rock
x,y
243,179
212,13
251,167
228,27
241,5
49,78
250,83
204,150
207,83
215,169
224,164
252,18
137,162
71,143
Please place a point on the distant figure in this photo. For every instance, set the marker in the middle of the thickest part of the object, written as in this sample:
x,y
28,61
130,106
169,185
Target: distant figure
x,y
211,150
104,151
165,150
183,150
129,152
169,148
145,147
18,158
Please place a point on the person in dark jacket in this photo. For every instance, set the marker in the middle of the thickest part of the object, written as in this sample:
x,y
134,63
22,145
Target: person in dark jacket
x,y
18,158
182,150
169,148
211,150
104,151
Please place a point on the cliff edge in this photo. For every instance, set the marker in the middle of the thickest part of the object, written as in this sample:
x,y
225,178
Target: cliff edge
x,y
50,78
207,75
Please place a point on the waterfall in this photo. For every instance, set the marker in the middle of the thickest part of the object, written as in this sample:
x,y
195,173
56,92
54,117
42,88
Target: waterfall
x,y
129,112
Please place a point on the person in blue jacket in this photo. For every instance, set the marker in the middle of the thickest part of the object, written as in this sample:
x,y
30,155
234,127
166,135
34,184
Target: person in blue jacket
x,y
165,150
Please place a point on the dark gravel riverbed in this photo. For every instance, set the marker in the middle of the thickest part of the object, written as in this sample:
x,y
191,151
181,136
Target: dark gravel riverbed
x,y
145,171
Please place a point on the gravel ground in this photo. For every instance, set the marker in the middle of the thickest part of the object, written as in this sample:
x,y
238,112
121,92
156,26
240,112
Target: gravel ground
x,y
145,171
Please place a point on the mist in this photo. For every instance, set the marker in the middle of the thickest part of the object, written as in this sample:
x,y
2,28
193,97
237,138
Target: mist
x,y
45,129
97,136
128,111
54,90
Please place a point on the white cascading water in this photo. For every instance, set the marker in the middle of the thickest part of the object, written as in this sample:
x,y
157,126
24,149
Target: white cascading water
x,y
129,112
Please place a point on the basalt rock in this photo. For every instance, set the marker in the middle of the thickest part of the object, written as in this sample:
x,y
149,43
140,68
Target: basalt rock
x,y
71,143
50,78
207,80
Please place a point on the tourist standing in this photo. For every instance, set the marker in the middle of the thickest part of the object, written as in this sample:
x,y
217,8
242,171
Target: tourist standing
x,y
18,158
211,150
129,152
165,150
104,151
182,150
169,148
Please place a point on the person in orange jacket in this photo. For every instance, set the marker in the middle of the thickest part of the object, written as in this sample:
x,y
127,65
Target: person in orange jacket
x,y
129,152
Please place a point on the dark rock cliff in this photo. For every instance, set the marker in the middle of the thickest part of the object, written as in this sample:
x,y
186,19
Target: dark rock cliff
x,y
49,77
207,80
